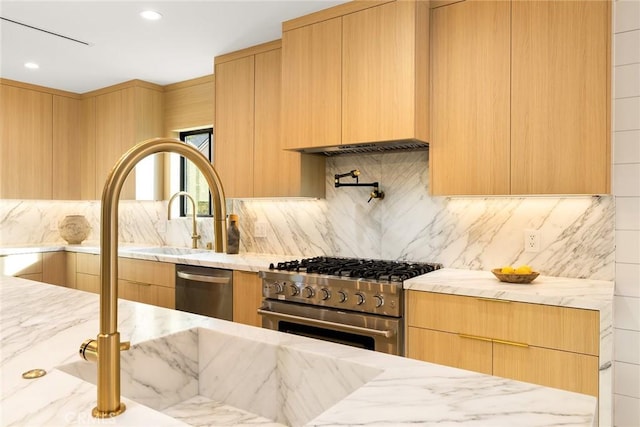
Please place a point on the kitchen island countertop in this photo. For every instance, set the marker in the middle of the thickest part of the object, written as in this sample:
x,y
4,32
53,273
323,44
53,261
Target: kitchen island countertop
x,y
43,325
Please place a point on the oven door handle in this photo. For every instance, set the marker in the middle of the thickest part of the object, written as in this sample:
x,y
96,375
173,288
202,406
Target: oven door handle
x,y
316,322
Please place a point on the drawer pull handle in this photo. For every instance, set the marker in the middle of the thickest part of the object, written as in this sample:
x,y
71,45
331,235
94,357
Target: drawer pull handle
x,y
475,337
517,344
503,301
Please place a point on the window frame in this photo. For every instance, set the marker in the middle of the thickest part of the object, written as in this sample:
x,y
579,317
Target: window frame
x,y
183,171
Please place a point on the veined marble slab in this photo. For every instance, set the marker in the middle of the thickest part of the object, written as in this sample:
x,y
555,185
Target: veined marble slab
x,y
557,291
43,325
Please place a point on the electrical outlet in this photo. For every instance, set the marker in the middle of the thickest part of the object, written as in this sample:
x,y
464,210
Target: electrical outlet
x,y
532,241
260,229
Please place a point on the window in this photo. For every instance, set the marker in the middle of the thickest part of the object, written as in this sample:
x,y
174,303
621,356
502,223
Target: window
x,y
191,179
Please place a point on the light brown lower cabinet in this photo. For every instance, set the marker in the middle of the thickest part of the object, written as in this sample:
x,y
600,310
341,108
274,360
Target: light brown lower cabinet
x,y
47,267
547,345
149,282
247,298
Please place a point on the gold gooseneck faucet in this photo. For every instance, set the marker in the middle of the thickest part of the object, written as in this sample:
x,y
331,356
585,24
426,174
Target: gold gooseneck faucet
x,y
106,348
194,233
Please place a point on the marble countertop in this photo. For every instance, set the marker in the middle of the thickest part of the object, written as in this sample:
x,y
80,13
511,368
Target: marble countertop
x,y
43,326
206,258
560,291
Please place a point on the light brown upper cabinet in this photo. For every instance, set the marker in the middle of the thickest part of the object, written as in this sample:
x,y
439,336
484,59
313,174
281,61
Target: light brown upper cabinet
x,y
560,86
67,143
189,105
357,72
249,155
125,115
40,142
520,98
26,124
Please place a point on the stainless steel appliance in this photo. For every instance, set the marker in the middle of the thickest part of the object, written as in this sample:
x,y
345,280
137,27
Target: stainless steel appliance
x,y
346,300
204,290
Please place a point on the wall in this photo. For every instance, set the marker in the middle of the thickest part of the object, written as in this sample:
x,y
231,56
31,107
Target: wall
x,y
477,233
626,188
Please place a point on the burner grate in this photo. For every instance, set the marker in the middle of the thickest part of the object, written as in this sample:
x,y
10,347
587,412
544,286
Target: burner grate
x,y
356,268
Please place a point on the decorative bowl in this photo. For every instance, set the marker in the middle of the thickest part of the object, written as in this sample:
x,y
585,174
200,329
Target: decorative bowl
x,y
74,229
515,278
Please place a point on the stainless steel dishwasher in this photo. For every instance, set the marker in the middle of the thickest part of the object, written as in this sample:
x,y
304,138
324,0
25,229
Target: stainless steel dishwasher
x,y
204,290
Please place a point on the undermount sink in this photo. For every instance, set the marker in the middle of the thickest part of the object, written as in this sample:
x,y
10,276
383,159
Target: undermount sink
x,y
203,377
166,250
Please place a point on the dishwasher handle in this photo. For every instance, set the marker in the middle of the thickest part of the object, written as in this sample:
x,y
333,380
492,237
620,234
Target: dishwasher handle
x,y
207,279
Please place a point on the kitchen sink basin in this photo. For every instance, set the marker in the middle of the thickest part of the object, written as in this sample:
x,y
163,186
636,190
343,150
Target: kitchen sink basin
x,y
167,250
205,377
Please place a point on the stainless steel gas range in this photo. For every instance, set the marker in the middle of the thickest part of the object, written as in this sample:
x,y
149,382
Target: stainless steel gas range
x,y
358,302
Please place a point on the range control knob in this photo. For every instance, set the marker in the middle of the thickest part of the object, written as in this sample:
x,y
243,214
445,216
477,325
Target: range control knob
x,y
379,301
293,290
359,298
325,294
308,292
279,287
342,296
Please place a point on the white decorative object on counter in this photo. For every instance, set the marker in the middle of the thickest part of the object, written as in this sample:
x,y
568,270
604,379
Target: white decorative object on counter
x,y
74,229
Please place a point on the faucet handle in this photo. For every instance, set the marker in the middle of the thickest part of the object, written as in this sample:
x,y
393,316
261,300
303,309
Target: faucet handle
x,y
89,349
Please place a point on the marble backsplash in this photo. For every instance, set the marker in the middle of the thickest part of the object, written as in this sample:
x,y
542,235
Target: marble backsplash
x,y
577,233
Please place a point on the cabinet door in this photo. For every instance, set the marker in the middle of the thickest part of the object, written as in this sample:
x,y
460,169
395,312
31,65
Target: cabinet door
x,y
247,298
234,126
379,66
114,130
67,152
548,367
270,161
54,268
470,69
87,165
560,97
311,85
450,349
26,118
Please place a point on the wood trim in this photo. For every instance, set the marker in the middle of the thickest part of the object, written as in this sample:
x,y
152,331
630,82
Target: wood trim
x,y
247,298
124,85
191,82
330,13
253,50
37,88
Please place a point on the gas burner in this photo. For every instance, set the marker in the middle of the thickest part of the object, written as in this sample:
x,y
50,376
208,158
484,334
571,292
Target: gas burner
x,y
356,268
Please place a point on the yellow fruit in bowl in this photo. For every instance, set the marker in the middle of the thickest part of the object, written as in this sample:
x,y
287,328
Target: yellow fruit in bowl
x,y
524,269
507,270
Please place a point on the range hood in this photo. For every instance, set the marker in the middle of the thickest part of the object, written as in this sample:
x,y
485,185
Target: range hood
x,y
367,147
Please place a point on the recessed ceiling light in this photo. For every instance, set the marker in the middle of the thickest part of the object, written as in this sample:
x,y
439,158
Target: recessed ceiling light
x,y
151,15
31,65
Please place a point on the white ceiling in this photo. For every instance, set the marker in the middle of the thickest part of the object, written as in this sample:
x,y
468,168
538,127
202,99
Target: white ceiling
x,y
123,46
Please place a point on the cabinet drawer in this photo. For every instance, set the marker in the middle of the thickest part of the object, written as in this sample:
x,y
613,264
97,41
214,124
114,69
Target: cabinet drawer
x,y
449,349
88,282
538,325
552,368
150,272
88,264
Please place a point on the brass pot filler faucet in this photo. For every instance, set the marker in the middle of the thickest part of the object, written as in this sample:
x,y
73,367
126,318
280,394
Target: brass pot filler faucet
x,y
106,348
